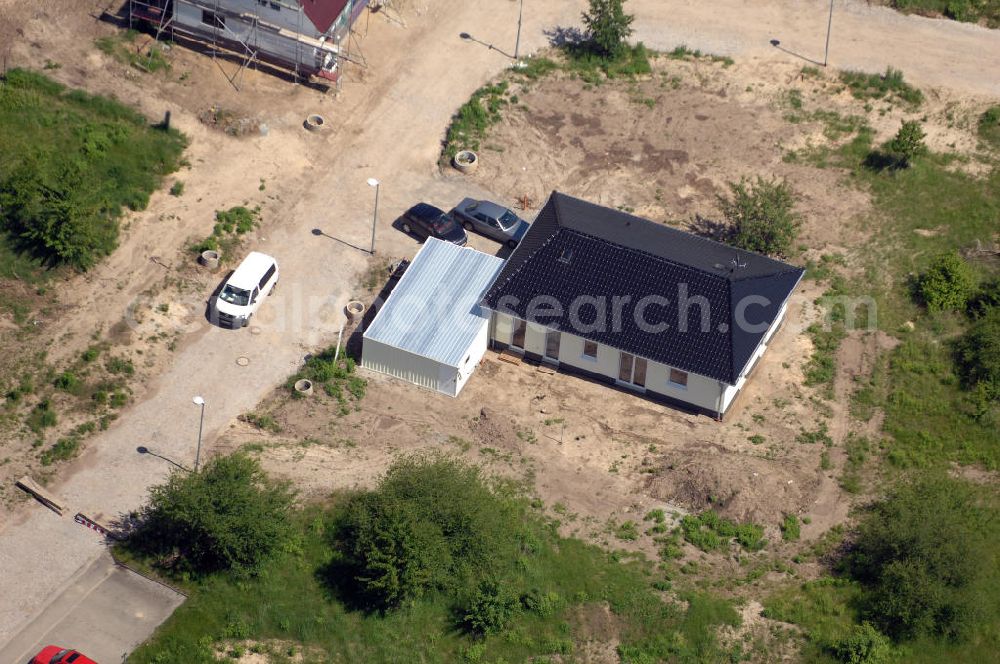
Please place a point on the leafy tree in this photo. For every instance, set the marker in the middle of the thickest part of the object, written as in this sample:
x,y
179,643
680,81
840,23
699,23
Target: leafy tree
x,y
864,645
907,144
609,26
978,354
761,215
433,524
229,516
948,283
922,554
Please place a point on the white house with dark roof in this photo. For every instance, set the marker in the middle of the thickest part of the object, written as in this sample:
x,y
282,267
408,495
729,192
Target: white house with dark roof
x,y
653,309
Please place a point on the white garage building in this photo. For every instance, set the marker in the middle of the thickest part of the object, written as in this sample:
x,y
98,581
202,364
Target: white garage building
x,y
431,330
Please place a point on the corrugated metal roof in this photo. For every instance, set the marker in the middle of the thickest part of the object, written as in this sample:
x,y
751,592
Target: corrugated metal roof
x,y
434,310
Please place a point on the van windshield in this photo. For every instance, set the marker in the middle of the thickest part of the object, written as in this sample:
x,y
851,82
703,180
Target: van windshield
x,y
234,295
508,219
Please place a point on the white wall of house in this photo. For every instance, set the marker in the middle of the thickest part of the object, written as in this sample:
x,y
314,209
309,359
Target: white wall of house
x,y
471,360
415,369
701,391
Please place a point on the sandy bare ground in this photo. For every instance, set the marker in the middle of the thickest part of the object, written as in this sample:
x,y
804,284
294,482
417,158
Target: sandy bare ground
x,y
389,121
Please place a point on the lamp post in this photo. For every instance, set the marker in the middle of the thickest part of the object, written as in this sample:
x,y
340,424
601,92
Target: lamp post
x,y
372,182
198,401
829,26
517,43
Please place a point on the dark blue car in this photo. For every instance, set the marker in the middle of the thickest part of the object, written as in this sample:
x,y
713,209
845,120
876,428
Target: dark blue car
x,y
424,220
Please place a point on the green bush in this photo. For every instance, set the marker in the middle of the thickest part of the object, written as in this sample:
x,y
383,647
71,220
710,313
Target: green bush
x,y
978,353
761,215
469,124
120,365
42,416
923,554
493,607
790,529
63,450
864,645
229,516
69,163
433,524
608,27
907,144
67,381
948,283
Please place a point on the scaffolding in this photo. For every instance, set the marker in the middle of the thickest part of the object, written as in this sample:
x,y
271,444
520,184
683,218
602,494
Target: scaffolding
x,y
235,30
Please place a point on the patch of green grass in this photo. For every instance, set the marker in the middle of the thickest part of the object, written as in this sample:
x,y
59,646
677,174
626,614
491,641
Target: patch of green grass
x,y
535,68
63,450
988,126
70,163
888,85
120,366
263,421
177,188
42,416
969,11
594,69
123,48
821,434
790,528
472,120
337,378
825,609
628,531
858,449
710,532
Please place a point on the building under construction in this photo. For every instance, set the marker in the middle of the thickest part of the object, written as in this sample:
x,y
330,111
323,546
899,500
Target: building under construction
x,y
304,37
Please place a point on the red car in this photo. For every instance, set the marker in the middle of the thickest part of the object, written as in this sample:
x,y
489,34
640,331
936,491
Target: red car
x,y
57,655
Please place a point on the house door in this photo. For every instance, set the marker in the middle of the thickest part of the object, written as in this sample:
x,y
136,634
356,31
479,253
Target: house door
x,y
517,337
632,370
552,338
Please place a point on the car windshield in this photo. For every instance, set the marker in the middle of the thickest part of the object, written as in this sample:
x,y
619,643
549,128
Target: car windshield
x,y
443,224
508,219
234,295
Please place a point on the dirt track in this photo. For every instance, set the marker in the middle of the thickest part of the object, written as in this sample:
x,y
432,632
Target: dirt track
x,y
391,127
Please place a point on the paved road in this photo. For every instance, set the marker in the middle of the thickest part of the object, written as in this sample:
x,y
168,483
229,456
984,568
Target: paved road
x,y
424,72
104,612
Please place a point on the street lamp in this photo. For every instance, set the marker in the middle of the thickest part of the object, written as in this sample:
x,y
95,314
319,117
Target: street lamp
x,y
372,182
198,401
829,26
517,44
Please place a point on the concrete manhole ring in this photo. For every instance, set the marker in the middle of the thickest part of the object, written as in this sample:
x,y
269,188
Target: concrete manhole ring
x,y
243,360
210,259
355,309
315,122
466,161
304,386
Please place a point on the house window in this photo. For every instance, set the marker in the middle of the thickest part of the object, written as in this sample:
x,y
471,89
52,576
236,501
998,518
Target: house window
x,y
517,338
213,19
552,338
275,6
631,369
590,350
678,379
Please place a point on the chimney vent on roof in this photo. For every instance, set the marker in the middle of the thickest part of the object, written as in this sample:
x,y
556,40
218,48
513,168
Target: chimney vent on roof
x,y
565,256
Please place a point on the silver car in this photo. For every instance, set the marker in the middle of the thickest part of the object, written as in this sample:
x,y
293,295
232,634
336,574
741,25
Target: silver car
x,y
491,220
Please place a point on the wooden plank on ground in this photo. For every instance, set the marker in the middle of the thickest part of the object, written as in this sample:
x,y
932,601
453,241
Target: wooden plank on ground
x,y
42,495
511,358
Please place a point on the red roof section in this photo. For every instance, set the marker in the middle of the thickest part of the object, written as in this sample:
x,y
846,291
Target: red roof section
x,y
323,13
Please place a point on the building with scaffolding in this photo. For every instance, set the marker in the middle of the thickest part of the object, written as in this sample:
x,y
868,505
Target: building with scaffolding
x,y
305,37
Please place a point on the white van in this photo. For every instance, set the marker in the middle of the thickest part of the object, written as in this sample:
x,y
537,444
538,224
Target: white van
x,y
243,292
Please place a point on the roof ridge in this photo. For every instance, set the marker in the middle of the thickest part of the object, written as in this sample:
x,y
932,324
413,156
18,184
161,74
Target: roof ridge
x,y
646,253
